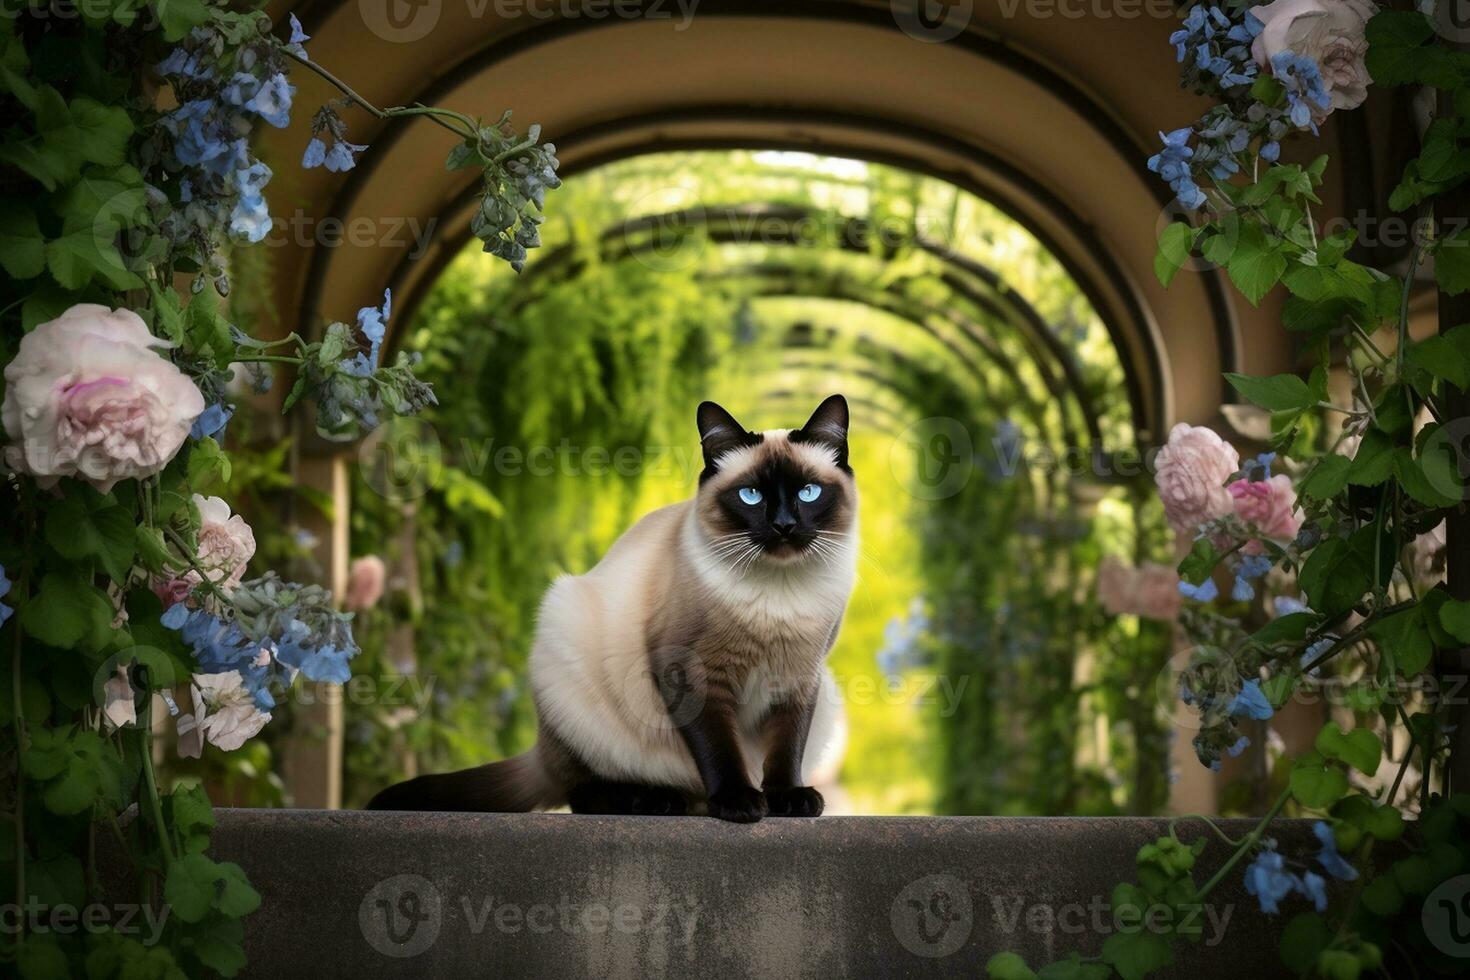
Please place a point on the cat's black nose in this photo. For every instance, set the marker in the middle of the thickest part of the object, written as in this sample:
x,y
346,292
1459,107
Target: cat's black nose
x,y
783,528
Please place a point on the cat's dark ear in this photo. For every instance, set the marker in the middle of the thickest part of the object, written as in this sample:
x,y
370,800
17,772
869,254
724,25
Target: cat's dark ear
x,y
827,427
719,433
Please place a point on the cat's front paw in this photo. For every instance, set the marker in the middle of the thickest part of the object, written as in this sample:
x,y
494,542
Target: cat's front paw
x,y
738,804
795,801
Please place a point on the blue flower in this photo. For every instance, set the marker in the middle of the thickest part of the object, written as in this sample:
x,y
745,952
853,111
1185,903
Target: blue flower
x,y
340,157
184,63
1333,861
298,38
1306,92
1269,881
1264,460
1172,164
1316,650
1241,744
1270,151
1200,593
1314,886
273,102
5,611
176,616
251,217
1251,702
315,155
240,89
1286,605
1242,590
373,321
211,421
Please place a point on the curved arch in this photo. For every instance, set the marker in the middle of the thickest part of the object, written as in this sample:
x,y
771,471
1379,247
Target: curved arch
x,y
1128,305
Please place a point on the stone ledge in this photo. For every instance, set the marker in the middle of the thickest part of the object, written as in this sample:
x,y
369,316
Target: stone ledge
x,y
557,895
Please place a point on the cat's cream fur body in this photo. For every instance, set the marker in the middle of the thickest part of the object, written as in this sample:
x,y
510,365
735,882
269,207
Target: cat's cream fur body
x,y
590,665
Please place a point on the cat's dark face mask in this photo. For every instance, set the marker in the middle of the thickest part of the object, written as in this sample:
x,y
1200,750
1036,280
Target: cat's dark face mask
x,y
778,495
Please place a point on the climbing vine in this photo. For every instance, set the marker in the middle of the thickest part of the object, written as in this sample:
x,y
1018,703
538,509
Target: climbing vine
x,y
128,193
1316,568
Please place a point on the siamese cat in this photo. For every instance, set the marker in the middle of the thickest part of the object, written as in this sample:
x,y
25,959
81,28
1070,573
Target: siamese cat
x,y
685,671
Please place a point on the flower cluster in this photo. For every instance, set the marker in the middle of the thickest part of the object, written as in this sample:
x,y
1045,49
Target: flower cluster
x,y
222,93
267,632
341,155
1269,878
902,640
1275,68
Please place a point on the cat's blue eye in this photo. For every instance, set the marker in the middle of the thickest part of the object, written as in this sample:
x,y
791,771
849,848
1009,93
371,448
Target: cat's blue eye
x,y
809,493
750,495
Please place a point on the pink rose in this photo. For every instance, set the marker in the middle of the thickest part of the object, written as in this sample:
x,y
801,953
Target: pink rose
x,y
1331,33
226,544
225,714
1269,506
1150,590
88,396
1190,473
365,580
1157,595
1115,586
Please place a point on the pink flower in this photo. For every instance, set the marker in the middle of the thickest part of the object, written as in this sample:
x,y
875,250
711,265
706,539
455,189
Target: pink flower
x,y
224,713
1158,592
365,581
88,396
1330,32
1269,506
1150,590
1190,473
226,544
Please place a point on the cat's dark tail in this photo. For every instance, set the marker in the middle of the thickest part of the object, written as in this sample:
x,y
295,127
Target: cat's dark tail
x,y
515,785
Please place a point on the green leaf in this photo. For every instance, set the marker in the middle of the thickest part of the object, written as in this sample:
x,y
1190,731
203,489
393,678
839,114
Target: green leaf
x,y
1452,263
77,257
237,898
1374,461
208,466
1443,358
1291,628
1382,897
179,17
1432,479
219,945
1405,638
22,249
1359,748
1395,39
1200,563
1278,393
1328,478
1175,243
1454,616
190,886
1255,265
1008,966
1304,937
193,817
1136,955
1316,783
68,612
79,529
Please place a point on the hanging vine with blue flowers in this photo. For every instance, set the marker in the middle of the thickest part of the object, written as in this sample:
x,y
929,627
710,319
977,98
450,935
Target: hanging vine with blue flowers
x,y
1318,568
124,580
